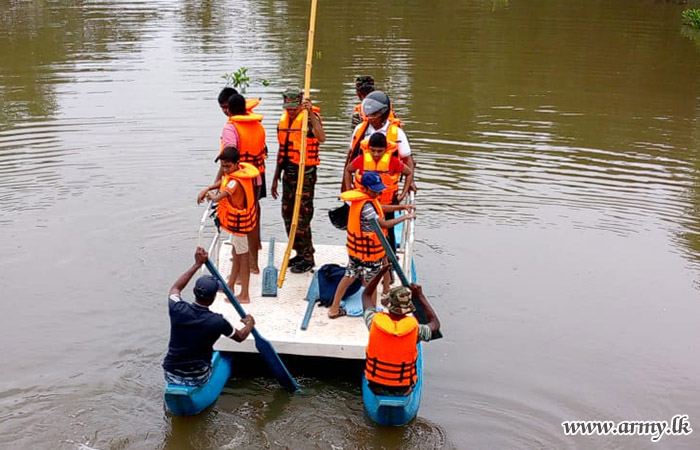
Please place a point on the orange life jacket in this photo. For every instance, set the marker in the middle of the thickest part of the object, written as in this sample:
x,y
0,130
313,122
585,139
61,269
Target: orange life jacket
x,y
391,180
251,139
289,138
392,351
251,103
239,221
392,135
363,245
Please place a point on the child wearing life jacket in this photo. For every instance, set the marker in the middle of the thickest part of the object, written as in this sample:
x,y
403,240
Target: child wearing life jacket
x,y
379,156
244,130
237,212
365,251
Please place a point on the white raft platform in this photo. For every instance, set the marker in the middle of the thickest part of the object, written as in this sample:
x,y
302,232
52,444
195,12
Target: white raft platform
x,y
278,319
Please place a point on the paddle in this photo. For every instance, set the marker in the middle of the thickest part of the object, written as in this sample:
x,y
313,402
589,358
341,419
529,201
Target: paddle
x,y
420,312
312,296
269,279
264,347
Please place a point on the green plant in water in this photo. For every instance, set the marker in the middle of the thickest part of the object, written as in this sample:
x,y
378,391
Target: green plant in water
x,y
691,17
240,79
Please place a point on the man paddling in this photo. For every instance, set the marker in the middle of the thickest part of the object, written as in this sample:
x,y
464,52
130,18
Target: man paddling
x,y
390,368
194,328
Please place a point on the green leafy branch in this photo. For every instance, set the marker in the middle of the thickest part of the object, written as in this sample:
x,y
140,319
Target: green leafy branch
x,y
691,17
240,79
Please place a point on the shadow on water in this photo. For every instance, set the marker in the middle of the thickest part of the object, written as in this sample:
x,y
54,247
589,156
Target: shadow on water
x,y
254,412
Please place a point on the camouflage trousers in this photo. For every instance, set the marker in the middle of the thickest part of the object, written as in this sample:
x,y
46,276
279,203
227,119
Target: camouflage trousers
x,y
303,243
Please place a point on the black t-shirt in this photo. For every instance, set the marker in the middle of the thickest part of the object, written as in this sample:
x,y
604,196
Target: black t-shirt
x,y
193,331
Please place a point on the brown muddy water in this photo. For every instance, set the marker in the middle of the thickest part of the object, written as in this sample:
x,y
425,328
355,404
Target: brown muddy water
x,y
558,232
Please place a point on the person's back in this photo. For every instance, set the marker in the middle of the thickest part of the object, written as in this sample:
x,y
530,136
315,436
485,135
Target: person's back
x,y
194,328
392,350
394,336
193,331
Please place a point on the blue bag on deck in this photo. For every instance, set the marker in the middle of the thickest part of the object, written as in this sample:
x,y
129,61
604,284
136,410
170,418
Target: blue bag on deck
x,y
329,276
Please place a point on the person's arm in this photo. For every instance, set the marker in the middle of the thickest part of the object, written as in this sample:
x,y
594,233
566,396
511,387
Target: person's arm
x,y
393,222
228,191
394,208
316,124
417,294
413,187
408,173
371,287
200,257
276,178
203,193
242,334
347,175
406,155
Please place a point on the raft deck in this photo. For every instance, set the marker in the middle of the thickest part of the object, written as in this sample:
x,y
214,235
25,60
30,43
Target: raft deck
x,y
278,319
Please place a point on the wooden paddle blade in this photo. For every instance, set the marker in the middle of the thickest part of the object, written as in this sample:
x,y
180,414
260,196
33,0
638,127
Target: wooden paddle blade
x,y
273,360
264,347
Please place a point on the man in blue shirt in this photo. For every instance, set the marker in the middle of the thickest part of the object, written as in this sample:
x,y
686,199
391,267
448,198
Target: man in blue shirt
x,y
194,328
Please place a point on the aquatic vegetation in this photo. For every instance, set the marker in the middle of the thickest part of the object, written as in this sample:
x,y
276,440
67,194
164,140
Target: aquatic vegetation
x,y
240,79
691,17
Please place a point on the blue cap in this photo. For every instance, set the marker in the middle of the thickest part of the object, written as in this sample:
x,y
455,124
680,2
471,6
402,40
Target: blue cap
x,y
373,181
206,287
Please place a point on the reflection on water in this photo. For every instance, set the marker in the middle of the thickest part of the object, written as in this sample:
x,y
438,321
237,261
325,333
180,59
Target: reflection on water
x,y
559,212
256,415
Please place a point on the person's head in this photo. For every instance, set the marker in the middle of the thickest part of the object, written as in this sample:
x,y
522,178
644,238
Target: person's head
x,y
292,101
223,98
205,289
229,158
372,183
377,146
363,86
236,105
398,301
376,106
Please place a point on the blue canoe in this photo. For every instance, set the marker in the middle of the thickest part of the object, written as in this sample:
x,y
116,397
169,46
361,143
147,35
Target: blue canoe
x,y
190,400
389,410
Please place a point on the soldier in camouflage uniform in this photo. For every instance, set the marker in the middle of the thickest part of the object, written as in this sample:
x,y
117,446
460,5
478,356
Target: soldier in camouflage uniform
x,y
288,159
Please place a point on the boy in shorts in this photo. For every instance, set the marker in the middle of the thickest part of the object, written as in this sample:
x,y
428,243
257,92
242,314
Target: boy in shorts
x,y
365,251
237,212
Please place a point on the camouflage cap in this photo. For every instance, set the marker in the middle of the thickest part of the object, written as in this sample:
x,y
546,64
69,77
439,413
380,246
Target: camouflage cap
x,y
398,300
292,97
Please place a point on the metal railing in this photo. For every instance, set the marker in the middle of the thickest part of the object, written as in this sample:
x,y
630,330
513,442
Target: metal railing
x,y
215,245
407,242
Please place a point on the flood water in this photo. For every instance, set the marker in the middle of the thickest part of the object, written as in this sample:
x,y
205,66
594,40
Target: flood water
x,y
559,213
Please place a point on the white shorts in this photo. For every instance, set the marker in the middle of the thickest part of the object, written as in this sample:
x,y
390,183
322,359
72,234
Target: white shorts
x,y
240,244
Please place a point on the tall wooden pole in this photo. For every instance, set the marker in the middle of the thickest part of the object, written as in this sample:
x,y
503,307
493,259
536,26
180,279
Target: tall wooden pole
x,y
302,150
